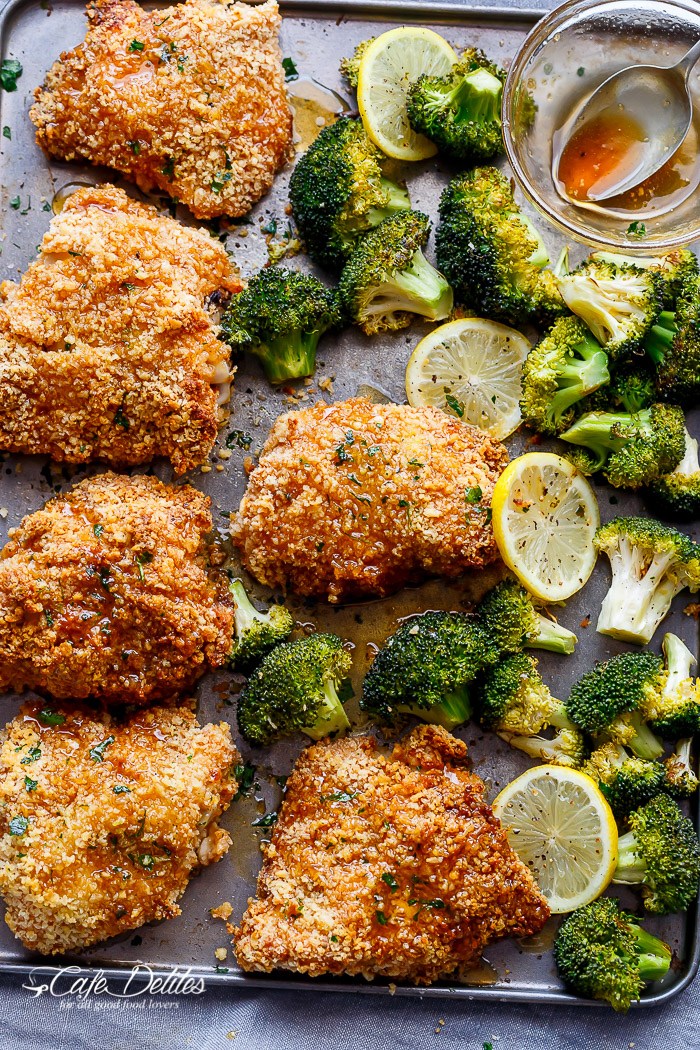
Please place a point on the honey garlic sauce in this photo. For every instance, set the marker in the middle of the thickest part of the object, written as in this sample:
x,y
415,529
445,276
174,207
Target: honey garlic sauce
x,y
600,153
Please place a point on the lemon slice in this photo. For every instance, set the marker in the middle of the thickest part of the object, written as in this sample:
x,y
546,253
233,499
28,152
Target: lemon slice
x,y
544,516
388,67
472,369
560,825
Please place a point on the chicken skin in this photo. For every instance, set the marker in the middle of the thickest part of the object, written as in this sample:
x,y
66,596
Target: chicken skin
x,y
355,499
107,592
103,822
108,345
188,99
386,866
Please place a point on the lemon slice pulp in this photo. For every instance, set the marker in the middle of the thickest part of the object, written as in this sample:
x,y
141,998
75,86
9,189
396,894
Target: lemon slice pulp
x,y
388,67
545,515
563,829
470,368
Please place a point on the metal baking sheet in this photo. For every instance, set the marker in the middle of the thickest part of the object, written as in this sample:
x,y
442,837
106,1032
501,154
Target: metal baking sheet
x,y
315,35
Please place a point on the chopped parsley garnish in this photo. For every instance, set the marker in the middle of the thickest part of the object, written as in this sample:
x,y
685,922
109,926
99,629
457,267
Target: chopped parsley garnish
x,y
136,45
473,495
290,70
18,825
51,718
48,617
239,439
220,180
97,753
168,168
120,419
135,146
381,918
10,72
245,776
30,784
31,756
389,879
121,789
270,227
265,821
637,229
98,530
145,860
144,558
15,203
340,796
6,133
456,406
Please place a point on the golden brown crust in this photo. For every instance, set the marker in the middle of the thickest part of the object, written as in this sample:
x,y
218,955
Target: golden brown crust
x,y
386,866
107,348
92,862
188,99
107,592
357,499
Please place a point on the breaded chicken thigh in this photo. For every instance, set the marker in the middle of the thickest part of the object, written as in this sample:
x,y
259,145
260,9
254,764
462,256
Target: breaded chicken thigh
x,y
108,592
386,866
108,347
356,499
103,822
187,99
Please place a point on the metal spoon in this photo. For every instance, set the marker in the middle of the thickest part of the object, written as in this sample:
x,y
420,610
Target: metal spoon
x,y
658,100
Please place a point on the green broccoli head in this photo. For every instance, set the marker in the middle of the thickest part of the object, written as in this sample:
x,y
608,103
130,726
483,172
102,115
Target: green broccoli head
x,y
426,667
565,366
337,192
675,268
461,111
618,303
681,778
631,388
632,450
513,623
677,495
603,953
280,318
661,853
514,699
673,344
387,278
294,689
566,748
618,685
256,632
350,67
650,564
491,254
626,781
673,708
631,729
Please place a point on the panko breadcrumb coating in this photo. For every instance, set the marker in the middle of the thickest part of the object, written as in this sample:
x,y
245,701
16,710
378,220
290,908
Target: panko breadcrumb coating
x,y
386,866
108,348
107,592
357,499
103,822
187,99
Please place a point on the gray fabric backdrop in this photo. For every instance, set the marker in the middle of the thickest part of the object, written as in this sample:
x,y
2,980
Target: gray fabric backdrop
x,y
255,1020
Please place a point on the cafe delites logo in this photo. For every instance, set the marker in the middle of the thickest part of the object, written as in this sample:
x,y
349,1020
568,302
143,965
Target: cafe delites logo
x,y
140,987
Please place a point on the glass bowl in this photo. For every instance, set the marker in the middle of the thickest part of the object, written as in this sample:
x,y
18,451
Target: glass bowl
x,y
562,61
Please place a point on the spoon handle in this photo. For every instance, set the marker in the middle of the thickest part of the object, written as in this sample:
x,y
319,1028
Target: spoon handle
x,y
689,59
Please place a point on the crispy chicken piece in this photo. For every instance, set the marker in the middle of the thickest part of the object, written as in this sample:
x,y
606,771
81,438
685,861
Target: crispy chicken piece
x,y
188,99
357,499
108,347
102,822
386,866
108,592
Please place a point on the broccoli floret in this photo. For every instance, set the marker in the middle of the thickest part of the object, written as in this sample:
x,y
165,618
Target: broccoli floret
x,y
650,563
280,318
618,303
491,254
673,344
675,269
626,781
681,779
426,667
461,111
350,67
387,278
662,853
256,632
631,729
565,366
295,689
603,953
632,450
566,748
513,623
514,699
337,192
617,686
631,388
677,495
673,709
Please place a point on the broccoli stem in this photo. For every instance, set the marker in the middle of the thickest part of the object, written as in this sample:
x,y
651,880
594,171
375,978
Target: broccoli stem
x,y
330,715
659,339
645,743
639,595
454,710
654,956
397,199
679,661
540,256
289,356
594,432
246,614
477,97
584,372
419,289
631,868
552,637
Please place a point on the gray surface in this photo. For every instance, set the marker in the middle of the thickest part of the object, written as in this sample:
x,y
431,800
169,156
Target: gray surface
x,y
266,1018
